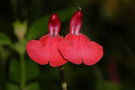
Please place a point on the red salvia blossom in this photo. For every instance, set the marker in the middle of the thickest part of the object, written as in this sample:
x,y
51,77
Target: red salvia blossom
x,y
45,50
78,48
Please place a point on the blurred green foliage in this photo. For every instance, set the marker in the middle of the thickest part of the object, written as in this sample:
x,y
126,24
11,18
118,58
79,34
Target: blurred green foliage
x,y
4,39
108,22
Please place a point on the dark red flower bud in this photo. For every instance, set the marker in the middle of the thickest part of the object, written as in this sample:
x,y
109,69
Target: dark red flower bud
x,y
76,23
54,25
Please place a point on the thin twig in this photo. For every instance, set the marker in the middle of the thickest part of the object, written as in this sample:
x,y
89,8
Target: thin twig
x,y
23,73
63,82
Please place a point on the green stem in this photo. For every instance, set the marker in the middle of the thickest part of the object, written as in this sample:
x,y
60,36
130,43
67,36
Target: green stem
x,y
100,79
63,82
23,72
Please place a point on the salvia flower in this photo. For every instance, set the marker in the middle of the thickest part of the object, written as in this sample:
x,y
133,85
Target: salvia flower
x,y
78,48
45,50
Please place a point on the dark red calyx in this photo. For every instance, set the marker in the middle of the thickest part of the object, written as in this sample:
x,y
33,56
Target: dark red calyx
x,y
54,25
76,22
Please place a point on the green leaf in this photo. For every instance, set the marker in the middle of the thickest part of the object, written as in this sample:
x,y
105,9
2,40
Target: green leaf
x,y
66,13
111,86
39,27
15,70
4,39
33,86
4,55
11,86
32,70
20,46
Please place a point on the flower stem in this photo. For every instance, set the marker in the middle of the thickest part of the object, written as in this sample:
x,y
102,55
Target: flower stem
x,y
63,82
23,72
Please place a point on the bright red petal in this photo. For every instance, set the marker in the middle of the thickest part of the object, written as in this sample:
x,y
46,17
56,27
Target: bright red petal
x,y
44,39
45,50
70,49
56,59
37,52
91,52
78,49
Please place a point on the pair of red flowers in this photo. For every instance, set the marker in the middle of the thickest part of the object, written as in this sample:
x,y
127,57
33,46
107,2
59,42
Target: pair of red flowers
x,y
56,50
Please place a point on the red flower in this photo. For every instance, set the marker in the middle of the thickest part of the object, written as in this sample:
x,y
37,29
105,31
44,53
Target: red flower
x,y
76,47
45,49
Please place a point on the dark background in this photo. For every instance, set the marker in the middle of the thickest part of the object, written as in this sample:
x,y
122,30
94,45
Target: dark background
x,y
111,23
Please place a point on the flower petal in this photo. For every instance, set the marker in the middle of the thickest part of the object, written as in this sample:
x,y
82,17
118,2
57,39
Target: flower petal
x,y
45,50
91,52
55,58
37,52
70,49
79,48
44,39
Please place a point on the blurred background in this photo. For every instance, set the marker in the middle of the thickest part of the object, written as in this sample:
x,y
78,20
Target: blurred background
x,y
111,23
